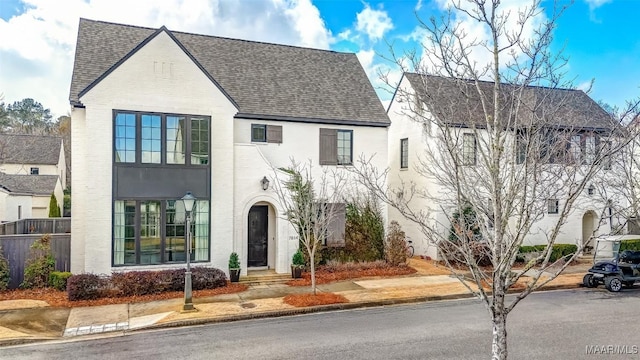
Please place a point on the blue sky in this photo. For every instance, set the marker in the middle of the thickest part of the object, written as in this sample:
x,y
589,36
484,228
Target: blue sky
x,y
37,37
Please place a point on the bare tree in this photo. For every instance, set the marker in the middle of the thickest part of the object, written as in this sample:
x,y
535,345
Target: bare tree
x,y
503,135
313,205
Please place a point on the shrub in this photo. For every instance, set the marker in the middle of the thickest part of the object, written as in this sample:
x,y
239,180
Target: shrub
x,y
54,209
39,264
207,278
58,280
630,245
85,287
558,251
479,249
395,245
464,227
136,283
364,231
234,261
297,259
4,272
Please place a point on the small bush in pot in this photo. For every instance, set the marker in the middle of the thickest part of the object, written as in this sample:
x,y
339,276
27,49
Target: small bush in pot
x,y
234,267
297,265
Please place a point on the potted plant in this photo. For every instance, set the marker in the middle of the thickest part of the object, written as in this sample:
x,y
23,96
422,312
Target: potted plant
x,y
234,267
297,264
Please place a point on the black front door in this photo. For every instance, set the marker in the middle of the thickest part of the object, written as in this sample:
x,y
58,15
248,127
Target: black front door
x,y
258,230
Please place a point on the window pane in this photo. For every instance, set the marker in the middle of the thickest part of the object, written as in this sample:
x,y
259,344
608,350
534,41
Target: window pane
x,y
150,134
344,147
258,132
199,141
175,240
175,140
150,243
469,149
124,237
125,139
200,231
404,153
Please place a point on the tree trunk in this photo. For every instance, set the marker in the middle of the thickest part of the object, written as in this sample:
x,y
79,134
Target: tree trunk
x,y
499,319
312,260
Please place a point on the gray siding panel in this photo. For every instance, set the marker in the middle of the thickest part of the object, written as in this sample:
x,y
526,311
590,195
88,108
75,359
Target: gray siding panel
x,y
160,182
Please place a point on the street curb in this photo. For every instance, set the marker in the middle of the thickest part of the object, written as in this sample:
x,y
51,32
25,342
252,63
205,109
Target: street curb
x,y
29,340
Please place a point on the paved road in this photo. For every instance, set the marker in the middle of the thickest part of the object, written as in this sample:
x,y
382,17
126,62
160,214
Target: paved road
x,y
550,325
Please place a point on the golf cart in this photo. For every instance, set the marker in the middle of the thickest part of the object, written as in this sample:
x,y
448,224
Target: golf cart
x,y
612,267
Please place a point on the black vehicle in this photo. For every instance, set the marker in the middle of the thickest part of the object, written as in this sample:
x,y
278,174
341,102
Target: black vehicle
x,y
622,268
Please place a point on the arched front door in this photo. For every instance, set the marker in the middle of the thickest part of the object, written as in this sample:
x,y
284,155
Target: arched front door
x,y
258,235
588,226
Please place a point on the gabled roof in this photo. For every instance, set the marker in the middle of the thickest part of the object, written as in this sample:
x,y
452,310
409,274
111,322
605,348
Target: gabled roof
x,y
29,184
29,149
263,80
459,102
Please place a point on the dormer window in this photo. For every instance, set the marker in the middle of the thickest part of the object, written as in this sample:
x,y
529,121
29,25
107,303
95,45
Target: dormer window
x,y
35,171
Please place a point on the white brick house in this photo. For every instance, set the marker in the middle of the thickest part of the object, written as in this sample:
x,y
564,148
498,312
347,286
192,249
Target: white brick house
x,y
157,113
409,140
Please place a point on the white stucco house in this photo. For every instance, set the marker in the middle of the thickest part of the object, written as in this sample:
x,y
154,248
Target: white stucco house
x,y
410,138
32,167
156,113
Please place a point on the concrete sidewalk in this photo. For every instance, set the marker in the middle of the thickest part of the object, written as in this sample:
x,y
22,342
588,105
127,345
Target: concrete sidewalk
x,y
39,322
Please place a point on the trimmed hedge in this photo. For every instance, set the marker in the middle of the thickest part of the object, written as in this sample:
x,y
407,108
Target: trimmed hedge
x,y
58,280
138,283
558,251
630,245
85,287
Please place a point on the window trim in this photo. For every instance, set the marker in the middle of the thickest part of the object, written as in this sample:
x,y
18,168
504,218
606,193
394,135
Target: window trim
x,y
163,138
404,153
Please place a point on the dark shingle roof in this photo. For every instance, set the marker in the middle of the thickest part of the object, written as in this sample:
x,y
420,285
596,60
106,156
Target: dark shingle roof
x,y
274,81
29,149
458,102
29,184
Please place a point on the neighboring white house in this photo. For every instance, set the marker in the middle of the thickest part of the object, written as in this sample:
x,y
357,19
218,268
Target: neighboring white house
x,y
157,113
32,167
410,139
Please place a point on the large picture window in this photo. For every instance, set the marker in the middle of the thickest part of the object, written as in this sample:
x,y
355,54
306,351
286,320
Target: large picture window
x,y
147,232
142,138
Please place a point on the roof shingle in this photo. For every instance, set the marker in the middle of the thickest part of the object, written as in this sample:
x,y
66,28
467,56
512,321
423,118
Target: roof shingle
x,y
29,149
275,81
29,184
459,102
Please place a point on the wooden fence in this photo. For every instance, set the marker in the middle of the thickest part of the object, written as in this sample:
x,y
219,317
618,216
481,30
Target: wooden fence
x,y
37,226
16,250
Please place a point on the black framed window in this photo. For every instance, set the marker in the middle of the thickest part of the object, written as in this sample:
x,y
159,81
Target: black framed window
x,y
35,171
552,206
150,138
147,232
258,132
345,147
404,153
469,149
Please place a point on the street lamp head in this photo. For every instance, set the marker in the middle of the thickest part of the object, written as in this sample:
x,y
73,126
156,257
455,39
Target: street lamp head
x,y
188,200
265,183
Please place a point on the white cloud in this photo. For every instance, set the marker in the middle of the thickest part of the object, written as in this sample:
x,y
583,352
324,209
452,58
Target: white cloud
x,y
593,4
37,46
374,23
383,77
477,33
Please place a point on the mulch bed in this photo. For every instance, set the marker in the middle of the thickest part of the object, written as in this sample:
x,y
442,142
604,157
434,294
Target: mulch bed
x,y
325,277
302,300
56,298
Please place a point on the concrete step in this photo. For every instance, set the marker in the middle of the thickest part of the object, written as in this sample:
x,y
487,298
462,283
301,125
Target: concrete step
x,y
264,278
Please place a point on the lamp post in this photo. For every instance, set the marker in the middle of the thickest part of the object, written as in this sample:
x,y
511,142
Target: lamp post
x,y
188,200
